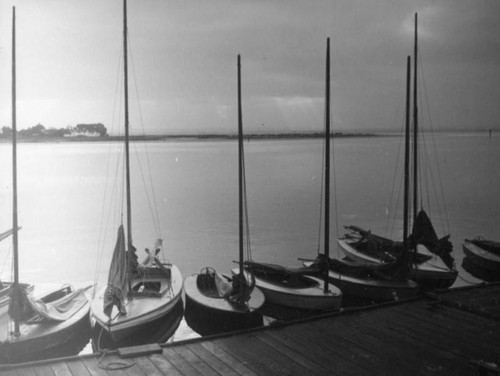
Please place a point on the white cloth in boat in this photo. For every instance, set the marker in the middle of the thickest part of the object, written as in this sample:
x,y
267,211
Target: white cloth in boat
x,y
61,309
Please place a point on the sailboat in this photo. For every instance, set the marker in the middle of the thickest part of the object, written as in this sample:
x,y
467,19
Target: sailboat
x,y
374,283
142,301
57,324
5,287
295,287
433,265
216,302
482,258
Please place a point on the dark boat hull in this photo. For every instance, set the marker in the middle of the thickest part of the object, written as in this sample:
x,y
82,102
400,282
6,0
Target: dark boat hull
x,y
432,279
481,257
481,263
206,315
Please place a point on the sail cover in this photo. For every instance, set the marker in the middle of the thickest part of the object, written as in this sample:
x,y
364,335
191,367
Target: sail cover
x,y
117,277
423,233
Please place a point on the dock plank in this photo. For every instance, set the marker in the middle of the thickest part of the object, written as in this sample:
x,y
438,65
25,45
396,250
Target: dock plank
x,y
194,361
453,346
295,354
446,321
77,368
44,370
10,372
390,359
333,357
147,366
288,365
255,359
215,363
413,343
61,369
92,365
238,366
164,365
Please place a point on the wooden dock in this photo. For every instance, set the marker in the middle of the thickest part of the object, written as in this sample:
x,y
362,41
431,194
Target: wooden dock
x,y
451,333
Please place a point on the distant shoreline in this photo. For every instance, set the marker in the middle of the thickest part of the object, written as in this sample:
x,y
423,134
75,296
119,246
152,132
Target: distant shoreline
x,y
184,137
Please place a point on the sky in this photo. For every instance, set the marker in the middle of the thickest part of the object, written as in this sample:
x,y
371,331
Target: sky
x,y
183,53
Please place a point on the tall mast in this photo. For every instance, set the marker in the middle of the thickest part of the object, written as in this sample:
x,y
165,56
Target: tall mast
x,y
327,166
407,159
240,168
127,155
415,129
14,178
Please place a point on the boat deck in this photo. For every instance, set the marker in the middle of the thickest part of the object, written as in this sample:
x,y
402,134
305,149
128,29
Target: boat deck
x,y
451,333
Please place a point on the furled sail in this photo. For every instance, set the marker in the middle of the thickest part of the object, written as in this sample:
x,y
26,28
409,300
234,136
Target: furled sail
x,y
423,233
117,277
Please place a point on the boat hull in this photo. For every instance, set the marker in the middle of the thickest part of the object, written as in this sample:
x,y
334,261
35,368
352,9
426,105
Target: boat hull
x,y
207,315
307,298
5,295
142,313
47,339
433,277
375,290
481,257
372,289
156,331
481,263
429,275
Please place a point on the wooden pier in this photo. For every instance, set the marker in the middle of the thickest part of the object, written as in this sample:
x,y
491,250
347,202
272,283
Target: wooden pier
x,y
452,333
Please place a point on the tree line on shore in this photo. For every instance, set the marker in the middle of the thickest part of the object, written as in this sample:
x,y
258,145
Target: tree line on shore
x,y
93,130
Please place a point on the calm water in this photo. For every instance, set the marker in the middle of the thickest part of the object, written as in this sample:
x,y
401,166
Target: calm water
x,y
69,218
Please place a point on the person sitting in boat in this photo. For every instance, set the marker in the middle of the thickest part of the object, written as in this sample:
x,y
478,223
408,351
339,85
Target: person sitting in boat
x,y
149,260
240,290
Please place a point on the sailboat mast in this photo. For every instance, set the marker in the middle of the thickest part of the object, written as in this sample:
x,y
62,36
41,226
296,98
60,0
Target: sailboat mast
x,y
127,153
327,166
415,129
14,177
407,158
240,168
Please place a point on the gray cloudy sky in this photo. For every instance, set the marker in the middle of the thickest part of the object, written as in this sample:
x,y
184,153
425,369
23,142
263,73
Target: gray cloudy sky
x,y
184,63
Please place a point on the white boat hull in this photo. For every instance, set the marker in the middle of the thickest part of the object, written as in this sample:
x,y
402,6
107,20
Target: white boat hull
x,y
431,274
141,311
307,298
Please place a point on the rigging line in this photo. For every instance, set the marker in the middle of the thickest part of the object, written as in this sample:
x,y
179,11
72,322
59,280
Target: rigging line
x,y
7,258
109,212
322,185
245,206
438,203
156,224
389,230
440,198
335,203
153,208
155,213
103,229
446,220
